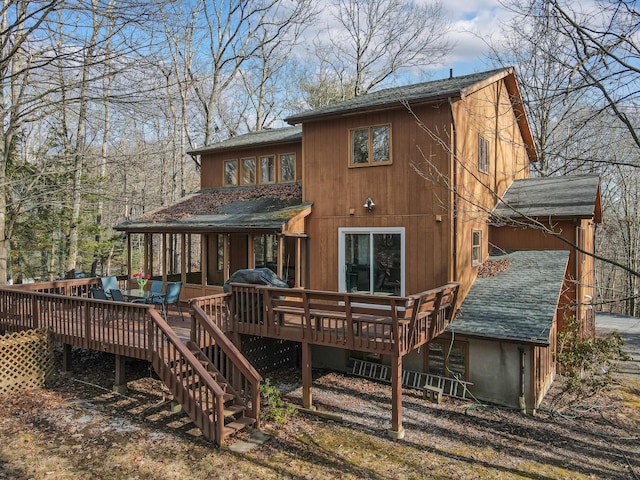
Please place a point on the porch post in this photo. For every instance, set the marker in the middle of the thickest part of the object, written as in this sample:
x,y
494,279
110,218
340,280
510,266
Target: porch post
x,y
165,255
66,357
204,258
129,252
120,384
397,431
298,273
280,269
251,256
183,256
225,254
307,380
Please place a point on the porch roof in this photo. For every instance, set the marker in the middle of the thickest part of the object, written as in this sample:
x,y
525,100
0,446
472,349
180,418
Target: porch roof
x,y
264,208
576,196
517,304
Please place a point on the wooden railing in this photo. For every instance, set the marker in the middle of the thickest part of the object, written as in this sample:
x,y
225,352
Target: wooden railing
x,y
193,387
128,329
75,287
244,381
386,324
216,308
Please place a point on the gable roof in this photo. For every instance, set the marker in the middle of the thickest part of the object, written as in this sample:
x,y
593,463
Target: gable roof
x,y
560,197
392,97
517,304
237,209
260,138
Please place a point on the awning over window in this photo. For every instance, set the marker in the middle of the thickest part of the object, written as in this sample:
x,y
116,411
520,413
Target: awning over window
x,y
261,208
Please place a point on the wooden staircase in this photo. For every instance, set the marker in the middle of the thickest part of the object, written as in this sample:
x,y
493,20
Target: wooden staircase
x,y
234,408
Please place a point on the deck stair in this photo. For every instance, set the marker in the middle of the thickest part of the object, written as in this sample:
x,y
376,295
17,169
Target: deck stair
x,y
233,407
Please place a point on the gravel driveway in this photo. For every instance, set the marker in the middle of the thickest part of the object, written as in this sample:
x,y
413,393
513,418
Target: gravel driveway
x,y
629,328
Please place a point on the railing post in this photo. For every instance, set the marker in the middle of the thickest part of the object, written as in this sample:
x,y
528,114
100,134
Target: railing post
x,y
87,324
35,312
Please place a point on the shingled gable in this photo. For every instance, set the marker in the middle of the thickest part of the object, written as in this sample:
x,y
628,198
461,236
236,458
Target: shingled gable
x,y
454,87
517,304
556,197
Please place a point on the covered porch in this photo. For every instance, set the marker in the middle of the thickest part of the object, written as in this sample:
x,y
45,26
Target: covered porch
x,y
205,237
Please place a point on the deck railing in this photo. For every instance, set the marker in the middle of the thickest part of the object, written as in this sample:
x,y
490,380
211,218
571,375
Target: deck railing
x,y
75,287
386,324
233,367
216,307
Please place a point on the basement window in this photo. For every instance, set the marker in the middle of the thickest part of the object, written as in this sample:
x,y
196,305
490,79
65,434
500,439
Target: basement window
x,y
448,360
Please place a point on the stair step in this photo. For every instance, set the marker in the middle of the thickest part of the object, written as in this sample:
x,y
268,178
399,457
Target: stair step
x,y
232,410
237,425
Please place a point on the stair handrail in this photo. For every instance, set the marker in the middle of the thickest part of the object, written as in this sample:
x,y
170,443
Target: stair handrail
x,y
157,320
234,355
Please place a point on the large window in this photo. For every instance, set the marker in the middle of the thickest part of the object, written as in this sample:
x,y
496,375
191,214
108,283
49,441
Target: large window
x,y
267,169
248,171
483,154
287,167
265,250
372,260
231,172
371,145
448,360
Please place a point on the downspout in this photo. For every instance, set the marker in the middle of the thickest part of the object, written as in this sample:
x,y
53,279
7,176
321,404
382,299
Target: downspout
x,y
521,401
454,200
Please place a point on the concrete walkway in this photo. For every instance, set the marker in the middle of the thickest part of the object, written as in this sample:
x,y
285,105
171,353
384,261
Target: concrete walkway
x,y
629,328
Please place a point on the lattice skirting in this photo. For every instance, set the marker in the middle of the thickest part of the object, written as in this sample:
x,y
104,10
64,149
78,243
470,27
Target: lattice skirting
x,y
26,361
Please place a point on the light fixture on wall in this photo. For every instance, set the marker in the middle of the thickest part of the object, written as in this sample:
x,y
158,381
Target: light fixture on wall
x,y
369,204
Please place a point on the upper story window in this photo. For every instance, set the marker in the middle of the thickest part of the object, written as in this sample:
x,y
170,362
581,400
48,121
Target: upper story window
x,y
248,171
287,167
231,172
476,247
371,145
267,169
483,154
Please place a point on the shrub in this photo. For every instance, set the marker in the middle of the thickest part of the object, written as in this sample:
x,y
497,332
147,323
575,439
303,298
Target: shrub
x,y
274,408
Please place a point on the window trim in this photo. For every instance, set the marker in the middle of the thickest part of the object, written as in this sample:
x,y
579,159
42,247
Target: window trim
x,y
483,154
224,172
343,231
370,162
476,247
279,167
242,162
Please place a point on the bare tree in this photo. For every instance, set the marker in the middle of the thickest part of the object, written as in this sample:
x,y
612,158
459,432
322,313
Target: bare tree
x,y
378,39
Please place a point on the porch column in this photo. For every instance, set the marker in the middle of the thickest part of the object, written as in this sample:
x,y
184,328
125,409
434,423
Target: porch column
x,y
397,431
120,384
66,357
307,380
129,252
226,258
298,273
251,254
183,256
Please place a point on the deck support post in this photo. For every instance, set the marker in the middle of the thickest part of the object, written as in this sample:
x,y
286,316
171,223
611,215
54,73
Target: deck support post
x,y
120,384
307,380
397,431
66,357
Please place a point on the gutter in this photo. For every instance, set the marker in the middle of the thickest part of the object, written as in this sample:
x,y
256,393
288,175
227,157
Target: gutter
x,y
454,200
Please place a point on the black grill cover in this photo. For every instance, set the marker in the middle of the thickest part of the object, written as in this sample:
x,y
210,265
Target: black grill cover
x,y
256,276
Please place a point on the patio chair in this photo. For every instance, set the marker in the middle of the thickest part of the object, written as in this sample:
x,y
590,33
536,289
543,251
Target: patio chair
x,y
98,293
157,287
116,295
108,284
172,295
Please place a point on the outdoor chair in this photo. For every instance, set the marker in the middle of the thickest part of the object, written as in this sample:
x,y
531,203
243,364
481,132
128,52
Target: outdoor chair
x,y
98,293
172,295
157,287
116,295
108,284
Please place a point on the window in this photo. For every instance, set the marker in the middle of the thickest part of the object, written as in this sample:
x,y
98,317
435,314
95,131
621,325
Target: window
x,y
476,247
248,171
267,169
371,260
231,172
220,252
287,167
265,250
448,360
371,145
483,154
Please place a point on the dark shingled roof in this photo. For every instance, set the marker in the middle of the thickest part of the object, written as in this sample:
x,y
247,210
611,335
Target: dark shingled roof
x,y
518,304
567,196
260,207
252,139
449,87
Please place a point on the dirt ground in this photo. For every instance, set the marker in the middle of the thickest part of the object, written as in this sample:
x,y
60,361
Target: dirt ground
x,y
78,428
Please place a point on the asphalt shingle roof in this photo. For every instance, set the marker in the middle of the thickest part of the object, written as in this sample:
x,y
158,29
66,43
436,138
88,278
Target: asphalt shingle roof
x,y
252,139
260,207
449,87
566,196
517,304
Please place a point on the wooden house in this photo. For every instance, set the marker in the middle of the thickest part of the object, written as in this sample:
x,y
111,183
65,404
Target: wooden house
x,y
387,194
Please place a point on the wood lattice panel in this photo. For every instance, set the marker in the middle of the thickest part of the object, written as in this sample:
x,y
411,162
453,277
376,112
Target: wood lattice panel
x,y
26,361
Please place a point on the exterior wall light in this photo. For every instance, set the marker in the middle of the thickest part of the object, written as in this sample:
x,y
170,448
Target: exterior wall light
x,y
369,204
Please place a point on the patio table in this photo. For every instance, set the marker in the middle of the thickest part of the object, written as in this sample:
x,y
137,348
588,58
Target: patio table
x,y
136,294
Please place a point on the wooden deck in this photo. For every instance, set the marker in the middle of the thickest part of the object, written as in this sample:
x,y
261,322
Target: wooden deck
x,y
196,357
